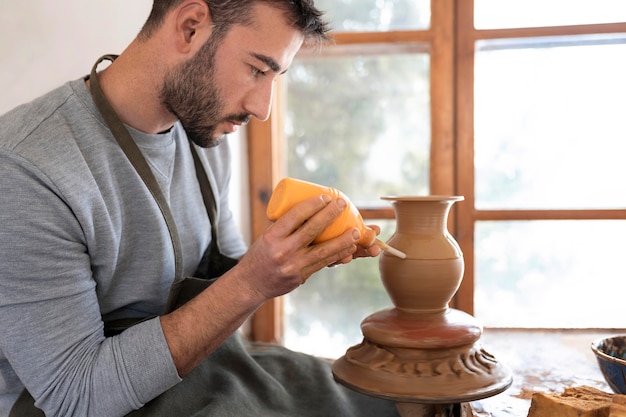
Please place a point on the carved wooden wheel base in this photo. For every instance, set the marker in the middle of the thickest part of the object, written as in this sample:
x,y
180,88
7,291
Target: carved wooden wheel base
x,y
428,363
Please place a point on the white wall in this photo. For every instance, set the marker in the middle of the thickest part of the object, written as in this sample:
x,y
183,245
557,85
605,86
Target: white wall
x,y
44,43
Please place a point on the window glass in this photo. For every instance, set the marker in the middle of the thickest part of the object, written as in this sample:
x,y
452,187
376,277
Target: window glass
x,y
323,316
360,122
550,274
494,14
357,118
376,15
549,124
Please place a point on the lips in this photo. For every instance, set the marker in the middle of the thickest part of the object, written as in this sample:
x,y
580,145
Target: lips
x,y
235,121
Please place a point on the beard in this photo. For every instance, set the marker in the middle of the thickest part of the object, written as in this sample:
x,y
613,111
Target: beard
x,y
190,92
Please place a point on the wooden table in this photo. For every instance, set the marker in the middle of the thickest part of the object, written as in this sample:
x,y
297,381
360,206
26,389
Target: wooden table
x,y
541,360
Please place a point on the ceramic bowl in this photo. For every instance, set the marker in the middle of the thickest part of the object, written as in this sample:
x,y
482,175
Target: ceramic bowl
x,y
611,355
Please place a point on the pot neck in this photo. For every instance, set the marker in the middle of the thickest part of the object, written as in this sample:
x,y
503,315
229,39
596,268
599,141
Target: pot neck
x,y
422,217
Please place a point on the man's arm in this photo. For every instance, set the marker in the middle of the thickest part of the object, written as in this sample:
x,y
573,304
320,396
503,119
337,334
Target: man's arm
x,y
277,263
50,318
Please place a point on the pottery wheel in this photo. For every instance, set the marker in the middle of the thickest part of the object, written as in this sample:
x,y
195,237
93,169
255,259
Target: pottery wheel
x,y
422,358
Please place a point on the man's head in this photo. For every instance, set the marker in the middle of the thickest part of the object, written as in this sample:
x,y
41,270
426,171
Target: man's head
x,y
231,76
301,13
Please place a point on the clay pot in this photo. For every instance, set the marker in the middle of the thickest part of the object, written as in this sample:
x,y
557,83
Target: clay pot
x,y
432,272
421,353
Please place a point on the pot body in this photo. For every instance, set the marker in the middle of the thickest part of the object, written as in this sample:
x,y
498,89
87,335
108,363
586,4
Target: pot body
x,y
433,270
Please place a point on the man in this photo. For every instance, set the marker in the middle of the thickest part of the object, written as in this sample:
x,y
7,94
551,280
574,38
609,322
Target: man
x,y
84,243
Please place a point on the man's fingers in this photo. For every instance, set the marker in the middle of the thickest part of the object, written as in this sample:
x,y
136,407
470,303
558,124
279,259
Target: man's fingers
x,y
307,220
298,215
335,251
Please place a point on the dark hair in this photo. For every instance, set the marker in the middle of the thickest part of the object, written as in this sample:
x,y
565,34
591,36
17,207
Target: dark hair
x,y
225,13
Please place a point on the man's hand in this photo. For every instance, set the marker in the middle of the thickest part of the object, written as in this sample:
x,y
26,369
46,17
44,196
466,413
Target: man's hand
x,y
371,251
284,257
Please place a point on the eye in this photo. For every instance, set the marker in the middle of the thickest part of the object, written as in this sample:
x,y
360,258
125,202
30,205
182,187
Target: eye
x,y
257,72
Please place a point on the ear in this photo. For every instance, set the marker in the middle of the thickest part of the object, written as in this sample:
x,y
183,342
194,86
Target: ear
x,y
193,25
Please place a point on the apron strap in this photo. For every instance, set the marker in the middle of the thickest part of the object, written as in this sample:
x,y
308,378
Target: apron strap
x,y
136,158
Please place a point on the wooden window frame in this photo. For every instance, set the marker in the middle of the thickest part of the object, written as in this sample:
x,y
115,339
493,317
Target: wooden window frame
x,y
467,214
451,39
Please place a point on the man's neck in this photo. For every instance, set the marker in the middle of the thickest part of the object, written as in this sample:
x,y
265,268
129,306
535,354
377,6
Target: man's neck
x,y
132,85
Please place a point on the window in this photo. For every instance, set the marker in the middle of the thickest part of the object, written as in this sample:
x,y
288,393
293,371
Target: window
x,y
522,117
562,152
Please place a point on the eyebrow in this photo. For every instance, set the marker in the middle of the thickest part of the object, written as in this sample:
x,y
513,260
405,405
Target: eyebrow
x,y
270,62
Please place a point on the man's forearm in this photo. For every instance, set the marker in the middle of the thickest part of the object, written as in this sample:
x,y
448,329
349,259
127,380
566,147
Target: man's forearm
x,y
199,327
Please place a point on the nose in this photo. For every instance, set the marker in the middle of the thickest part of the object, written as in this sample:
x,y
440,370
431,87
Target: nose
x,y
258,102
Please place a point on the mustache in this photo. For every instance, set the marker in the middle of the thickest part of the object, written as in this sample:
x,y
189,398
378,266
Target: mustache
x,y
242,118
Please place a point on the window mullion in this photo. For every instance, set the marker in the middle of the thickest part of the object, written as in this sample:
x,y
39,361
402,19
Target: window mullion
x,y
264,158
464,164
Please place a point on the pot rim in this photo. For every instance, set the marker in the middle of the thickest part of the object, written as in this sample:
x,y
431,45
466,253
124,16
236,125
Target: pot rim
x,y
595,347
424,198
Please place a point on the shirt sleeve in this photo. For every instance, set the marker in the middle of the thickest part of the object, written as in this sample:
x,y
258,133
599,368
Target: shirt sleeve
x,y
50,321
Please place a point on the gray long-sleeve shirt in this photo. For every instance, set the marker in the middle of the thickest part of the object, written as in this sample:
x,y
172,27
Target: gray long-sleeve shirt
x,y
81,238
